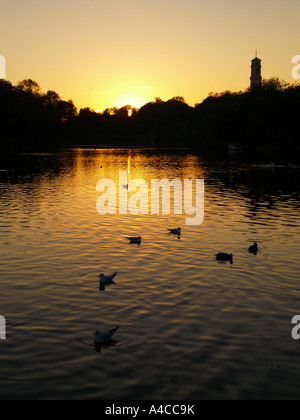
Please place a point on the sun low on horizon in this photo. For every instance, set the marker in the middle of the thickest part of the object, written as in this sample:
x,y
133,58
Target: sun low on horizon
x,y
136,96
111,54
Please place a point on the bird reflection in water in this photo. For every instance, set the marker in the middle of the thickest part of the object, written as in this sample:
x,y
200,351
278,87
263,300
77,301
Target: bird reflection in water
x,y
99,346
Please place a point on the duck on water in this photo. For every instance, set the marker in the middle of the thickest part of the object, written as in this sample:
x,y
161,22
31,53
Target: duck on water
x,y
253,249
225,257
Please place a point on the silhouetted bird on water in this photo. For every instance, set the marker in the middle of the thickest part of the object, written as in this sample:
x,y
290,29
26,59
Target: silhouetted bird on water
x,y
225,257
106,280
175,231
104,337
253,249
137,240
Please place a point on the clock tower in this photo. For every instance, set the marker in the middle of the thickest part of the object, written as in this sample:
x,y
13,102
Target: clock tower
x,y
256,78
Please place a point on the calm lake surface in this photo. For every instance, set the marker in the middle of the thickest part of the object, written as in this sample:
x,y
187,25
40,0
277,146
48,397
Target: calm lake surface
x,y
190,327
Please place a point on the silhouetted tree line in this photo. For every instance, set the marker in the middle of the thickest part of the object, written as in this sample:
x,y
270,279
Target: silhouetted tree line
x,y
265,118
30,119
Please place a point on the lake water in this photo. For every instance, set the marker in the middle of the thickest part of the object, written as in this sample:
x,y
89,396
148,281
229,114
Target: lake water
x,y
190,327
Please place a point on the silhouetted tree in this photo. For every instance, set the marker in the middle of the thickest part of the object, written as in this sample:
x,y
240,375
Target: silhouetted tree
x,y
29,86
179,99
274,84
52,98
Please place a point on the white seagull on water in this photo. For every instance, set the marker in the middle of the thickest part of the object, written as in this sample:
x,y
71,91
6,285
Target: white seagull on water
x,y
104,337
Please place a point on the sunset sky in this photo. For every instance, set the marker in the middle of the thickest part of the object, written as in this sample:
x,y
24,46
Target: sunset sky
x,y
113,53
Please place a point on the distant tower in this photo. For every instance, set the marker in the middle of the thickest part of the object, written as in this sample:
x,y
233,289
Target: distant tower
x,y
256,78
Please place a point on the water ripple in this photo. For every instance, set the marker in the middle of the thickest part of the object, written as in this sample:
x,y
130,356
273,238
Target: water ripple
x,y
190,327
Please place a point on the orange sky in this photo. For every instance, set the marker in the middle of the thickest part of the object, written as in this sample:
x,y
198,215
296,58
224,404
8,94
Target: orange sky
x,y
103,54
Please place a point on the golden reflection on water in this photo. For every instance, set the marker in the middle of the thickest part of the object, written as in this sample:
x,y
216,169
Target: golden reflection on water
x,y
107,164
233,321
129,166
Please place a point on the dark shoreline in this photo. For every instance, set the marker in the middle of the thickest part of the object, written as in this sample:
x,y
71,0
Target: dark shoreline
x,y
261,122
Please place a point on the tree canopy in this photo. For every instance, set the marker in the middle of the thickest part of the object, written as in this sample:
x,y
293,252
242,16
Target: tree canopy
x,y
31,119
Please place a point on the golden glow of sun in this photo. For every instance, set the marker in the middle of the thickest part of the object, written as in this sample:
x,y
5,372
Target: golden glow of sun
x,y
136,101
136,97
